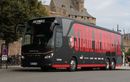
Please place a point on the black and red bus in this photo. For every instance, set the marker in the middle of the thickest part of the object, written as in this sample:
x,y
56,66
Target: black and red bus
x,y
59,42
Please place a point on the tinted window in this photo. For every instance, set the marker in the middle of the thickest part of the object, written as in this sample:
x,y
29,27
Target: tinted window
x,y
66,24
93,39
93,35
71,32
58,38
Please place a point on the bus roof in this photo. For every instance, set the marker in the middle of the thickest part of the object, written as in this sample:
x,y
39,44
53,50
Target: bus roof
x,y
84,23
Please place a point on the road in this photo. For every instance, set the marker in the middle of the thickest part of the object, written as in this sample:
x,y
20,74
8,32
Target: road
x,y
18,74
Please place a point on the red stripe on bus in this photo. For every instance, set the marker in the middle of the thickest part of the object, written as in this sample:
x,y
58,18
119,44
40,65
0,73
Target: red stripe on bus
x,y
60,65
91,65
81,65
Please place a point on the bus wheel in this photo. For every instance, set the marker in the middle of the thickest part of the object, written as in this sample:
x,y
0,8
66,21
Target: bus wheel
x,y
113,65
73,65
107,67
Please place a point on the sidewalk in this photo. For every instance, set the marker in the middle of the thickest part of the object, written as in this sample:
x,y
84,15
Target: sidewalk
x,y
10,66
124,67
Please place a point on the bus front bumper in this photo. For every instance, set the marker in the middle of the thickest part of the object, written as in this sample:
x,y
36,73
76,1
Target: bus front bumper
x,y
36,63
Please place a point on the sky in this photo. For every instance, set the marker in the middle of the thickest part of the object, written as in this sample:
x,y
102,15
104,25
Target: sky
x,y
109,13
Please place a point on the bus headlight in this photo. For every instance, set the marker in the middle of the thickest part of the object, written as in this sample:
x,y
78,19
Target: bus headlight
x,y
22,57
49,56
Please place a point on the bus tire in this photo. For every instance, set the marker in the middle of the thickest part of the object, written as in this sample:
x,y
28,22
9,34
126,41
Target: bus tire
x,y
107,67
73,65
113,65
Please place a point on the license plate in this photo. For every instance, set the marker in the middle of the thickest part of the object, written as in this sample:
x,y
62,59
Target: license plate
x,y
33,63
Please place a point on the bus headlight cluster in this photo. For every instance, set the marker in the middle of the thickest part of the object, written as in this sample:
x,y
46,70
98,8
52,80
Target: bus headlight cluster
x,y
49,56
22,57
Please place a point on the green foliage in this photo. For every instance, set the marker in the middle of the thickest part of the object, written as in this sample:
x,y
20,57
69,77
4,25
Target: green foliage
x,y
13,12
128,52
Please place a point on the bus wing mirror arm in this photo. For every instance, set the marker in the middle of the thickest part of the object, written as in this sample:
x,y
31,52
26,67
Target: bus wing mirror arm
x,y
53,25
56,23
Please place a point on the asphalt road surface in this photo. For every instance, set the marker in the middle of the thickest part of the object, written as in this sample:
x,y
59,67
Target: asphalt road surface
x,y
18,74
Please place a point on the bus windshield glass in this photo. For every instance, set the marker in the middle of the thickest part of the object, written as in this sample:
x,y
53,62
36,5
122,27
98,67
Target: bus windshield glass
x,y
39,32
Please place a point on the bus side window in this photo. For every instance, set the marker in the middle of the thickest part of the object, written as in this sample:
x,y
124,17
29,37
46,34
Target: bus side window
x,y
58,39
93,40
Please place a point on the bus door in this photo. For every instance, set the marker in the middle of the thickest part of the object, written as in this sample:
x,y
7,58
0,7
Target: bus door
x,y
58,39
58,44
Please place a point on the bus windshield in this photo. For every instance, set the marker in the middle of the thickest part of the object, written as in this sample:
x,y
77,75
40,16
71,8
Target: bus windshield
x,y
39,32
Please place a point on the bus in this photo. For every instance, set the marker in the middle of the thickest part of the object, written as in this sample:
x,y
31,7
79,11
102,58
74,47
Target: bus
x,y
59,42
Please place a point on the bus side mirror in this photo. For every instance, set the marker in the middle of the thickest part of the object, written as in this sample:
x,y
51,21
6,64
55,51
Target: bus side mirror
x,y
53,25
56,23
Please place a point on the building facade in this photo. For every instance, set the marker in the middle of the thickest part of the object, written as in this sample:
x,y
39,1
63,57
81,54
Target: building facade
x,y
13,48
72,9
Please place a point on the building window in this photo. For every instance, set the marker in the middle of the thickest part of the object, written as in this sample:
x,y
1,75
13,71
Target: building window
x,y
82,10
71,6
63,5
77,2
82,17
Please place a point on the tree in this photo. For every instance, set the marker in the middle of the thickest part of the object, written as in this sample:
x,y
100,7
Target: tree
x,y
13,12
128,52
